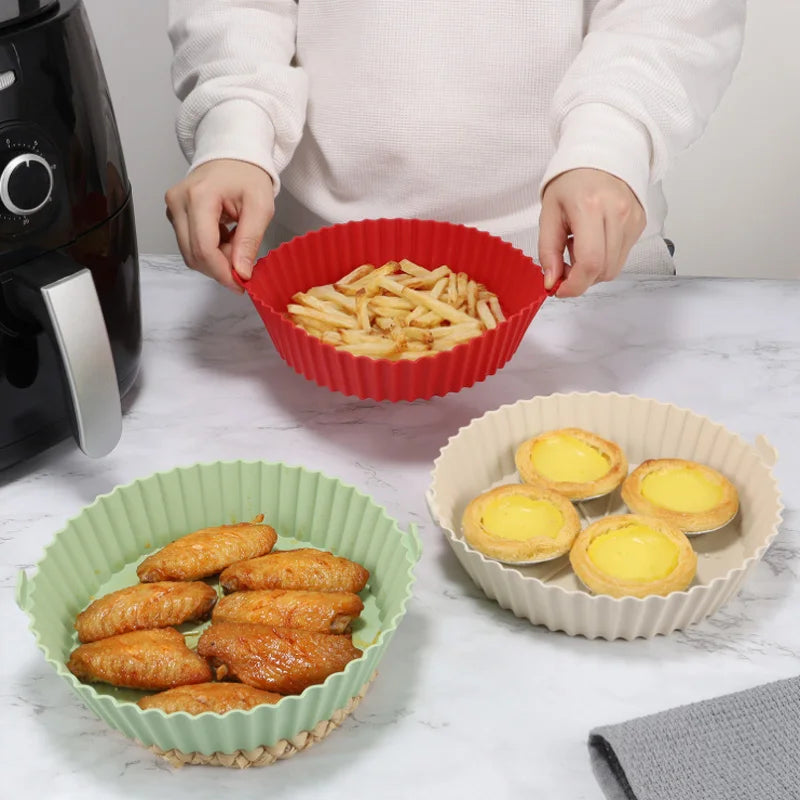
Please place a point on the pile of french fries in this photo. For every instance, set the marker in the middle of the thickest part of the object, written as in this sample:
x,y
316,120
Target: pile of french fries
x,y
398,311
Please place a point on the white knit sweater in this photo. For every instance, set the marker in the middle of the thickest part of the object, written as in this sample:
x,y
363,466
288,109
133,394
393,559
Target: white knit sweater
x,y
450,109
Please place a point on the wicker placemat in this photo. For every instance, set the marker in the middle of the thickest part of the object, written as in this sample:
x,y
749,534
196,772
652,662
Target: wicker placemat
x,y
264,756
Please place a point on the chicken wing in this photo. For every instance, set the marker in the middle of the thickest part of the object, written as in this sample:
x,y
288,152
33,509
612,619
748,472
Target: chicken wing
x,y
145,606
314,570
207,551
276,659
155,660
217,697
323,612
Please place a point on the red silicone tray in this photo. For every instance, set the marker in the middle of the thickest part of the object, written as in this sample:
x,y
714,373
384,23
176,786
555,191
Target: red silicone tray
x,y
325,255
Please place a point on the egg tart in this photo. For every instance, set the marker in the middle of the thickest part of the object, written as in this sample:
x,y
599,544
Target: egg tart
x,y
633,556
573,462
518,524
692,496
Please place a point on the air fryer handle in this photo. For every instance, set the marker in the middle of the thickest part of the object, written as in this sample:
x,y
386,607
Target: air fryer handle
x,y
61,295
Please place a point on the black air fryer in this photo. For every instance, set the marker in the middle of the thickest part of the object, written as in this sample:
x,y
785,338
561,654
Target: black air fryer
x,y
70,322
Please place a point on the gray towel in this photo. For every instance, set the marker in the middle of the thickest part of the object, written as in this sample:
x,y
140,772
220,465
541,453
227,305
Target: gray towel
x,y
743,746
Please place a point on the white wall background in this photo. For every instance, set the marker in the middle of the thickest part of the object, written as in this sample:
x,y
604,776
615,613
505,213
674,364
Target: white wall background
x,y
734,197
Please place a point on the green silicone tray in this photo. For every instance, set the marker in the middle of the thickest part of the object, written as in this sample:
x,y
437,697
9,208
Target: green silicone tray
x,y
99,549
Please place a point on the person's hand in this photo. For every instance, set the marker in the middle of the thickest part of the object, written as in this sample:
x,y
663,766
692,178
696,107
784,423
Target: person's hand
x,y
595,216
204,205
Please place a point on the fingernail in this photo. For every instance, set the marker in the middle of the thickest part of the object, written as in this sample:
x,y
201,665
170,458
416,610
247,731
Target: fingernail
x,y
244,268
549,279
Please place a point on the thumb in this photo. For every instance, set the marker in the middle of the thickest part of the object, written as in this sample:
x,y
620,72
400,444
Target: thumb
x,y
247,236
553,238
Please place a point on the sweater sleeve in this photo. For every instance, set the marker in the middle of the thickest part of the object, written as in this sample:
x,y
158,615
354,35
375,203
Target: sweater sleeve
x,y
242,98
648,77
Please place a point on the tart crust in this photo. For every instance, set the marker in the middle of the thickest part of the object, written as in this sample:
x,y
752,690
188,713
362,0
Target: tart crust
x,y
618,465
537,548
688,521
599,581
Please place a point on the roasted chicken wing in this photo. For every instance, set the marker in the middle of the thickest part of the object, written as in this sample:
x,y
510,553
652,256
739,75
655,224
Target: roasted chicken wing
x,y
217,697
314,570
275,659
144,606
324,612
154,660
208,551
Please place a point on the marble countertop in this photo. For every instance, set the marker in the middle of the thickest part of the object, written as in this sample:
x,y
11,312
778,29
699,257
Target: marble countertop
x,y
470,702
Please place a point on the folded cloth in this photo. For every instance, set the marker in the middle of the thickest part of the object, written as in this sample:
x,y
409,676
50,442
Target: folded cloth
x,y
743,746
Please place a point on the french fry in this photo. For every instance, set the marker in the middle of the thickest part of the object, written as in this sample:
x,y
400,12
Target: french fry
x,y
352,289
391,285
380,348
468,329
406,280
382,301
315,328
416,283
357,274
314,302
421,335
372,282
399,310
452,289
428,320
329,318
442,309
358,337
388,311
332,337
486,316
330,295
398,336
414,315
430,279
448,342
362,310
367,281
438,307
439,287
462,280
494,307
472,298
410,268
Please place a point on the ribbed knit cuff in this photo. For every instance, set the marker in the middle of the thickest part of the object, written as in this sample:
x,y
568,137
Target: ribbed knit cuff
x,y
240,130
599,136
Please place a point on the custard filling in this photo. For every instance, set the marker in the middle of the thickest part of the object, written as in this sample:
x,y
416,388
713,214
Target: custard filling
x,y
634,552
566,459
682,490
519,517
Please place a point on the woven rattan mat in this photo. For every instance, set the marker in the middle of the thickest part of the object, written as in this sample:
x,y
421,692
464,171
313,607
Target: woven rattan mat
x,y
264,756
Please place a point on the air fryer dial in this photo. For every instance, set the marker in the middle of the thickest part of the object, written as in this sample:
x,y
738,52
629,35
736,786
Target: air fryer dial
x,y
26,184
27,179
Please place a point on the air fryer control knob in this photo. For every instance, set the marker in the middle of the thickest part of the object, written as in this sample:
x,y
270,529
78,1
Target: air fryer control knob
x,y
26,184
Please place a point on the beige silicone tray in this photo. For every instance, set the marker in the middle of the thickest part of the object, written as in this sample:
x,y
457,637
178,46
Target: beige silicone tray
x,y
481,455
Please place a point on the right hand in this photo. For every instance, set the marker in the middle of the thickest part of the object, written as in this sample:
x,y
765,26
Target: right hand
x,y
206,202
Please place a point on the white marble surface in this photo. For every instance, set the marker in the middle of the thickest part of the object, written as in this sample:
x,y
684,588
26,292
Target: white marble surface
x,y
471,702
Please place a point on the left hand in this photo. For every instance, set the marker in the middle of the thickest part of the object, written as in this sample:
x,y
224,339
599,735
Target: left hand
x,y
597,217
